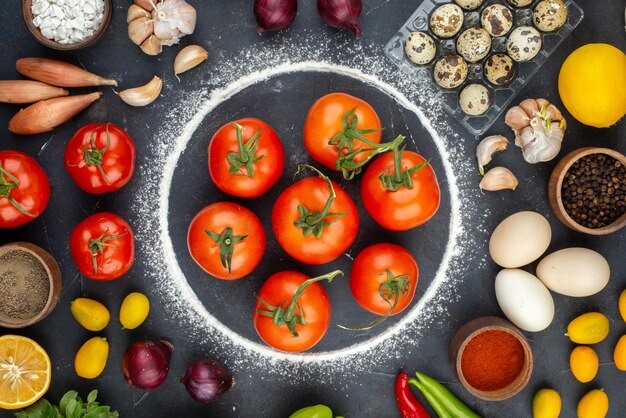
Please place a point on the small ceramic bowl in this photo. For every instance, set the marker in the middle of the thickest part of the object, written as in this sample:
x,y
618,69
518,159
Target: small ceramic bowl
x,y
27,13
54,280
556,182
473,329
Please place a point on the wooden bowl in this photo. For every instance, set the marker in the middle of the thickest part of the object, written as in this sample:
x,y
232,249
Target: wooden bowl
x,y
27,13
556,182
54,280
471,330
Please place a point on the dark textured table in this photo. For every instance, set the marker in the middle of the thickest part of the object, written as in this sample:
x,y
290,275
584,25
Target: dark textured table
x,y
226,28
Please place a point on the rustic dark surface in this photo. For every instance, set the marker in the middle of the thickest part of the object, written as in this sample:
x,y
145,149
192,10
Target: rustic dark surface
x,y
369,394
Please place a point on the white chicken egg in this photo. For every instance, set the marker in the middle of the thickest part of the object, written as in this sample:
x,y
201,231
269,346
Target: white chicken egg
x,y
469,4
520,239
524,300
577,272
420,48
474,99
524,43
446,20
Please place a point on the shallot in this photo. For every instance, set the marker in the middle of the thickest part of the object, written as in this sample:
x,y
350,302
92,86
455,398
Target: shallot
x,y
145,363
59,73
205,380
341,14
28,91
274,14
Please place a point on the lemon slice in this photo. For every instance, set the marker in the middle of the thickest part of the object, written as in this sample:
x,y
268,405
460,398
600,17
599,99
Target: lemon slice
x,y
25,372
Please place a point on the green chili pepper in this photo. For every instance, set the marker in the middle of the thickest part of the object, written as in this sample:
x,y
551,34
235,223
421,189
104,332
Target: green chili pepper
x,y
317,411
434,402
451,403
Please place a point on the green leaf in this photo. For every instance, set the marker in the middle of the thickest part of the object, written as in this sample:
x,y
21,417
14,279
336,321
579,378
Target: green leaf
x,y
72,394
92,396
40,409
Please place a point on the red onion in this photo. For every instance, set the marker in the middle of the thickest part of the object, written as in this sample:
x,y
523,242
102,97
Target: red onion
x,y
274,14
206,380
341,14
145,363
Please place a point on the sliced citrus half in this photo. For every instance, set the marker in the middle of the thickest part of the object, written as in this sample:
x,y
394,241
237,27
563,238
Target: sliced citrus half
x,y
25,372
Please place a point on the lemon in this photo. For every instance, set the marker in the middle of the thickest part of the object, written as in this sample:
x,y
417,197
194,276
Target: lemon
x,y
619,355
592,83
134,310
584,363
595,404
589,328
90,313
25,372
91,358
622,305
547,404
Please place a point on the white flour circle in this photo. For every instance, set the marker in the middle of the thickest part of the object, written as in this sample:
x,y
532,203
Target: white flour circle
x,y
177,276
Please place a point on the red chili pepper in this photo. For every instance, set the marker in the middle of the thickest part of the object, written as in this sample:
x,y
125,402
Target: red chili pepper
x,y
408,404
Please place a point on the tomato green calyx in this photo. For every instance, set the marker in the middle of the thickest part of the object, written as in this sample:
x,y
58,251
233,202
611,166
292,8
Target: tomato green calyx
x,y
94,156
226,241
97,246
315,222
288,316
392,288
245,157
8,182
350,168
400,177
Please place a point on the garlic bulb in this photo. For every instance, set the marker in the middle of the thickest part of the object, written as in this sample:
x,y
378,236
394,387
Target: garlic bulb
x,y
539,129
154,23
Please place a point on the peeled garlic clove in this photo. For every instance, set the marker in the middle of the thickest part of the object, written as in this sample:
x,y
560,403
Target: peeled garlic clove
x,y
152,45
189,57
487,147
498,178
135,12
144,95
140,29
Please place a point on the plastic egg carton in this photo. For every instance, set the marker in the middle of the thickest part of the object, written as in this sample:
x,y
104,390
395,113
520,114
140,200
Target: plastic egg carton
x,y
501,96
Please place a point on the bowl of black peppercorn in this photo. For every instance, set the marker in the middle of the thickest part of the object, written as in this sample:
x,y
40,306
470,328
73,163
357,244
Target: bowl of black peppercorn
x,y
587,190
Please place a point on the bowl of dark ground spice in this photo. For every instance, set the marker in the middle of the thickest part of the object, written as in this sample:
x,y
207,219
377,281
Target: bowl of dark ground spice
x,y
491,358
587,190
30,284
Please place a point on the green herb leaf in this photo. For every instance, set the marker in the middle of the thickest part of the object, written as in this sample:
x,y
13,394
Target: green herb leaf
x,y
91,398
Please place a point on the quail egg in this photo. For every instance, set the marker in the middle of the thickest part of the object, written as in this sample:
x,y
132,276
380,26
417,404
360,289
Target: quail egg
x,y
473,44
499,69
497,20
519,3
549,15
447,20
469,4
420,48
450,71
524,43
474,99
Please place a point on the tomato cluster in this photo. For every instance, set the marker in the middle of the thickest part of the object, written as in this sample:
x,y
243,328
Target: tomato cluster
x,y
315,220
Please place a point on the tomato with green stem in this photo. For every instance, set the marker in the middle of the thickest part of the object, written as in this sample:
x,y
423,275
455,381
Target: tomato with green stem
x,y
226,240
343,133
400,190
103,246
100,158
292,312
246,158
24,189
383,280
315,220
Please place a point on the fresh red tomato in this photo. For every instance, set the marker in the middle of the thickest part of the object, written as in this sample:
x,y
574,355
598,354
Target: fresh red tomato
x,y
337,122
103,246
24,189
400,202
307,228
303,310
100,158
246,158
384,276
226,240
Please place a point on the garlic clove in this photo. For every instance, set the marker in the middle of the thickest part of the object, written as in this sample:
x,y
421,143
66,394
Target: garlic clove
x,y
135,12
152,45
498,178
189,57
553,113
146,4
487,147
163,29
530,106
140,29
541,103
144,95
516,118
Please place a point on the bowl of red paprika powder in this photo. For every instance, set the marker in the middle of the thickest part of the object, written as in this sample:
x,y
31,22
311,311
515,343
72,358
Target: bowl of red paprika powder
x,y
491,358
